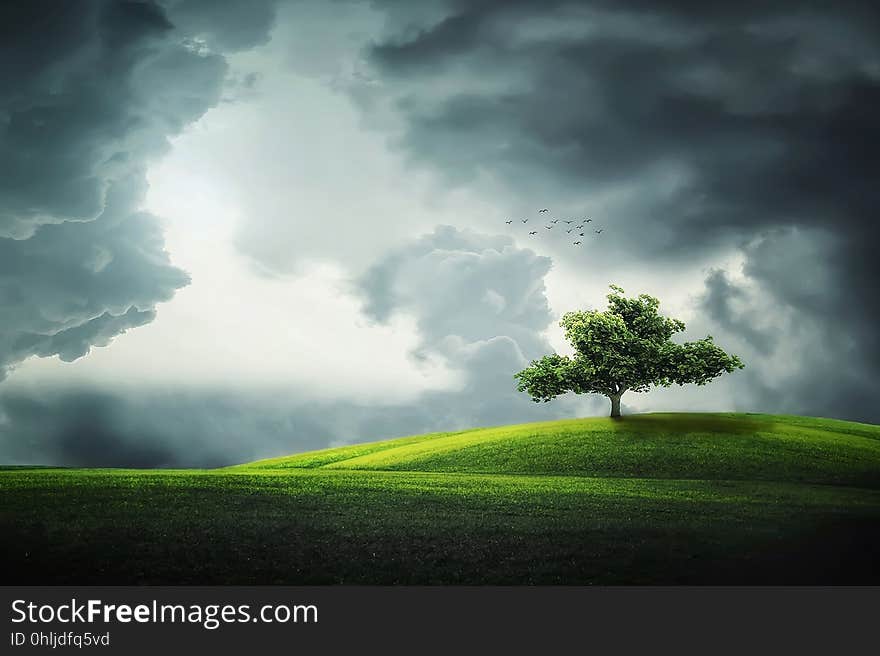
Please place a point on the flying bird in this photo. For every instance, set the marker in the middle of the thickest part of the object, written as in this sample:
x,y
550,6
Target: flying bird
x,y
549,227
569,222
580,234
525,220
587,220
599,231
568,232
533,232
554,221
544,210
576,243
508,222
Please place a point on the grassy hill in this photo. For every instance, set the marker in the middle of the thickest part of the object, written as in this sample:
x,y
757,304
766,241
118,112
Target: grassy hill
x,y
659,498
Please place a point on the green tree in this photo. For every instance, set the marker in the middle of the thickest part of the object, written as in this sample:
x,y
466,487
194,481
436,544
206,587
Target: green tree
x,y
628,347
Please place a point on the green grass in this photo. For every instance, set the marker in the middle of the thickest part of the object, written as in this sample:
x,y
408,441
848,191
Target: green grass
x,y
660,498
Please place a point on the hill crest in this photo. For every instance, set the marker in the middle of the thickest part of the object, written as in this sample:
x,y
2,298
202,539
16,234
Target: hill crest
x,y
658,445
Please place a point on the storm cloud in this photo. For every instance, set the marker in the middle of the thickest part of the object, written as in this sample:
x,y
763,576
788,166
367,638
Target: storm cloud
x,y
693,129
808,336
92,92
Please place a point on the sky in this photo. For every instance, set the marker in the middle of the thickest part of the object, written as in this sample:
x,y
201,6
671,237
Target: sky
x,y
235,229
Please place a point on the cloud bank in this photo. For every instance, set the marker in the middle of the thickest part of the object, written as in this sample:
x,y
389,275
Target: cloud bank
x,y
478,300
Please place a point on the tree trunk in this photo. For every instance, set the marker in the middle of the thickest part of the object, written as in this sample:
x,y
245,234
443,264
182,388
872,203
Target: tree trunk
x,y
615,405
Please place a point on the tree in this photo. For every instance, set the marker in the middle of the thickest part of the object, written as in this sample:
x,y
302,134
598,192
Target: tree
x,y
628,347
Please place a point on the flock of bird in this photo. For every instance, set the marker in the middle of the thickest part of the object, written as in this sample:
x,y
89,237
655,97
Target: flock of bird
x,y
553,222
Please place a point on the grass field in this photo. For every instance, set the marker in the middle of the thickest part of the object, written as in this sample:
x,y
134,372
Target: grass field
x,y
659,498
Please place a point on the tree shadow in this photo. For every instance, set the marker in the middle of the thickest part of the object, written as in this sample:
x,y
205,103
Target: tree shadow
x,y
684,423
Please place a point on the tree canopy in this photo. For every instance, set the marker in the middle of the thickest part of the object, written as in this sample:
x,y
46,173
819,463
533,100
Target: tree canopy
x,y
628,347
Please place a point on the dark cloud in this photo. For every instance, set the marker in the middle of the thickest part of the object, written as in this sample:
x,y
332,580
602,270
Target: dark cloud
x,y
225,25
175,428
91,92
728,305
706,125
192,428
73,285
788,314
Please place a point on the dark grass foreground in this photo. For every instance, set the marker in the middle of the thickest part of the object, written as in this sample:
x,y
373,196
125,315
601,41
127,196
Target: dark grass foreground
x,y
698,499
